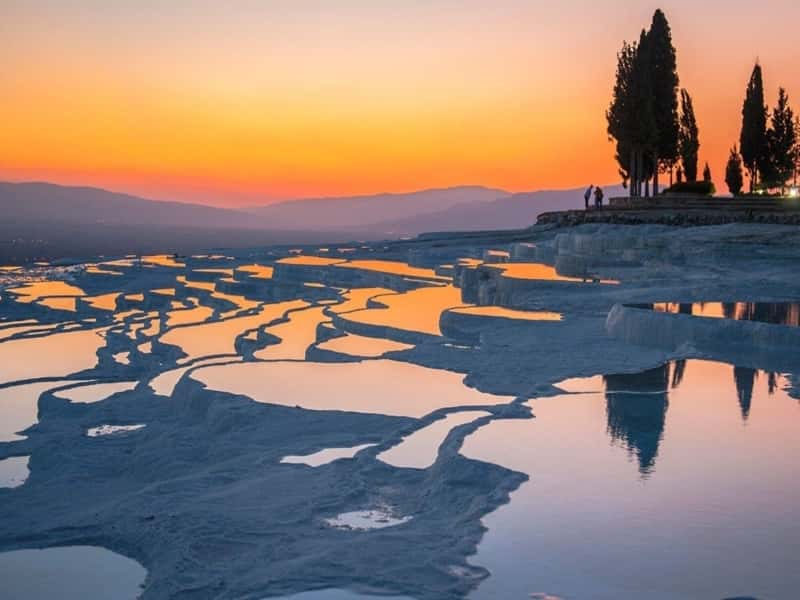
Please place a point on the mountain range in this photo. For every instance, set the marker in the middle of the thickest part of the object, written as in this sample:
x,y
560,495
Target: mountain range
x,y
44,220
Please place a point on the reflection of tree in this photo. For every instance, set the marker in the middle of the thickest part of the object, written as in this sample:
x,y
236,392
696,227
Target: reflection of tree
x,y
636,407
745,379
781,313
677,374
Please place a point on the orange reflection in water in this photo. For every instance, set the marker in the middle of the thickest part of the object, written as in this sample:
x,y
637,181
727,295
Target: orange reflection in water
x,y
314,261
56,355
393,267
508,313
296,335
541,271
377,387
39,289
417,310
257,271
218,337
359,345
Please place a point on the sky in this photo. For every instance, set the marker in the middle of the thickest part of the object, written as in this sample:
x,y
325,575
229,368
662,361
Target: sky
x,y
251,101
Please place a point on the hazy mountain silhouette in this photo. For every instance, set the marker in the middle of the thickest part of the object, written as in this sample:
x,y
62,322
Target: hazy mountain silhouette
x,y
364,212
43,220
513,211
47,202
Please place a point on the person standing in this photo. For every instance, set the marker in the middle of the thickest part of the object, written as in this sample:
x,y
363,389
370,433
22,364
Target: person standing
x,y
587,195
598,197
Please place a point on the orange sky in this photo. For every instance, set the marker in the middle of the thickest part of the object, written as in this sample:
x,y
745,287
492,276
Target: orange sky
x,y
249,101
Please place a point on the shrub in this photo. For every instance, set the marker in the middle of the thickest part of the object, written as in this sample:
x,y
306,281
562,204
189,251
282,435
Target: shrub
x,y
696,188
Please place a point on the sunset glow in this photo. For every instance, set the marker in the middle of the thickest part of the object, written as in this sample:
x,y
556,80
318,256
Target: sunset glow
x,y
252,101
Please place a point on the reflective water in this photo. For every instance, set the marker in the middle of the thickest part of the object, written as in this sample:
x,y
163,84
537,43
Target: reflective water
x,y
377,386
392,267
87,394
509,313
779,313
13,473
105,430
40,289
219,337
324,457
359,345
680,482
69,573
417,310
66,353
541,271
420,449
296,335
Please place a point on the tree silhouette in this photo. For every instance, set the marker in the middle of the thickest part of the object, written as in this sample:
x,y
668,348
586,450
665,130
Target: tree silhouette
x,y
664,81
733,173
745,379
753,139
782,142
689,138
631,119
707,174
643,114
636,409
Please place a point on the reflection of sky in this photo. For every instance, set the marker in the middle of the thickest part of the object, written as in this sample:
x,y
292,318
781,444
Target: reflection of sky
x,y
716,516
377,386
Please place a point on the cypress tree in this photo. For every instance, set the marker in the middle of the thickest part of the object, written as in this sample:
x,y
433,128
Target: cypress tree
x,y
689,139
707,174
630,116
782,141
618,114
753,139
733,173
664,88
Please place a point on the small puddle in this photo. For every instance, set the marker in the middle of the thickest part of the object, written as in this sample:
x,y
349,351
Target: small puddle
x,y
324,457
88,394
420,449
379,517
70,573
13,473
362,346
104,430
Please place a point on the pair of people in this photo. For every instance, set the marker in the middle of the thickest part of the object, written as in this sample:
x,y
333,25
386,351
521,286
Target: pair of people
x,y
598,196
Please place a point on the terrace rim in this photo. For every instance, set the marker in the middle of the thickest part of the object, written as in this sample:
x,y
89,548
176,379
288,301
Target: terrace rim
x,y
683,210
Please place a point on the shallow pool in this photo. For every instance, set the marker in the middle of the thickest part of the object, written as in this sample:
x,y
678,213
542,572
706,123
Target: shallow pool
x,y
675,483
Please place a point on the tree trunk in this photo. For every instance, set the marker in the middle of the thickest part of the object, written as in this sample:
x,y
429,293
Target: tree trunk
x,y
632,174
655,178
647,188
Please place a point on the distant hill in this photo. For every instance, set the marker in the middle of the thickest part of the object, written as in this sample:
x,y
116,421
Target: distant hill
x,y
510,212
47,202
43,220
47,221
362,212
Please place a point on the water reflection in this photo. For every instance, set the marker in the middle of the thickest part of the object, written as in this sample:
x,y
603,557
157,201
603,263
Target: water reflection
x,y
716,517
636,408
778,313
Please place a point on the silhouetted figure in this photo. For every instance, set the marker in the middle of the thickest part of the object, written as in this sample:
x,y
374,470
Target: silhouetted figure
x,y
587,195
636,408
598,197
745,379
